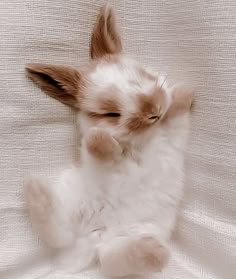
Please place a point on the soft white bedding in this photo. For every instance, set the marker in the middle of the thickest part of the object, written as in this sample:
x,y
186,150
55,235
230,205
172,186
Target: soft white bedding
x,y
188,39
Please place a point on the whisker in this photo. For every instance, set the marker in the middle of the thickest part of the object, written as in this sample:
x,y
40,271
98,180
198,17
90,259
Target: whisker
x,y
163,83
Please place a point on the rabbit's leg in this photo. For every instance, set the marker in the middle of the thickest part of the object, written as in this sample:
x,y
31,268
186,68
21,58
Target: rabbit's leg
x,y
132,255
50,215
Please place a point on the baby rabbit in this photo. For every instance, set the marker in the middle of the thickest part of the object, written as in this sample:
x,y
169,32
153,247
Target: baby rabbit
x,y
118,207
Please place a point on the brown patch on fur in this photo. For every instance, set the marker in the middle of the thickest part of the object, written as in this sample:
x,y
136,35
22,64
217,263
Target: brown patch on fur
x,y
105,107
105,37
109,105
155,255
137,122
102,145
181,102
133,256
148,106
58,82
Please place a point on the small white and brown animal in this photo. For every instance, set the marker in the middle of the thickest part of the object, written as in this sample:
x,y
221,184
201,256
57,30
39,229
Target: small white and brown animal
x,y
118,208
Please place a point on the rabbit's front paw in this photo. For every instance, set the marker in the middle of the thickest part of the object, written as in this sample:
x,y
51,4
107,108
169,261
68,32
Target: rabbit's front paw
x,y
102,145
182,96
182,99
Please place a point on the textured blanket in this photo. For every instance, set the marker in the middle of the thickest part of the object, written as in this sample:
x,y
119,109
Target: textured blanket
x,y
187,39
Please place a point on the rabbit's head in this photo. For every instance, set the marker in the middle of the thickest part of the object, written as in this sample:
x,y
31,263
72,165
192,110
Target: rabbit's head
x,y
114,92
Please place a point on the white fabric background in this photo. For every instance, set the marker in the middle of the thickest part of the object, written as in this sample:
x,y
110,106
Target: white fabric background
x,y
188,39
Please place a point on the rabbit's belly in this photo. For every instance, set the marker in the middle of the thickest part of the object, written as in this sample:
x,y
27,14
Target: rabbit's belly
x,y
145,191
141,198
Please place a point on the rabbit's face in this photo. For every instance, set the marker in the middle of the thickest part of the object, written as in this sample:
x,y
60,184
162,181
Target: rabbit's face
x,y
121,96
114,92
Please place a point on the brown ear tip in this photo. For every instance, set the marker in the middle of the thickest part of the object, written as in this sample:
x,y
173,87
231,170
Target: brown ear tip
x,y
107,7
28,69
107,10
31,67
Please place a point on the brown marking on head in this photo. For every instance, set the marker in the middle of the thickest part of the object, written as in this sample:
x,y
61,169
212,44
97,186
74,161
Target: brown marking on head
x,y
137,123
109,105
148,104
59,82
108,109
150,109
105,37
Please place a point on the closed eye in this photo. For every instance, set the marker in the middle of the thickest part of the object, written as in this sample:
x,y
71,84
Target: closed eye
x,y
112,114
155,117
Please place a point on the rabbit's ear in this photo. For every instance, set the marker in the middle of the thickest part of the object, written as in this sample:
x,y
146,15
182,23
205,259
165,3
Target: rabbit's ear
x,y
59,82
105,37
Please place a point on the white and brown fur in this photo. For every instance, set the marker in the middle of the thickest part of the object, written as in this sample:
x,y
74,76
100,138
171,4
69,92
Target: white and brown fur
x,y
118,208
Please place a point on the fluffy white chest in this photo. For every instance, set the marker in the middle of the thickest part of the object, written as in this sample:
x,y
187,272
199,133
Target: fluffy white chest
x,y
141,190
